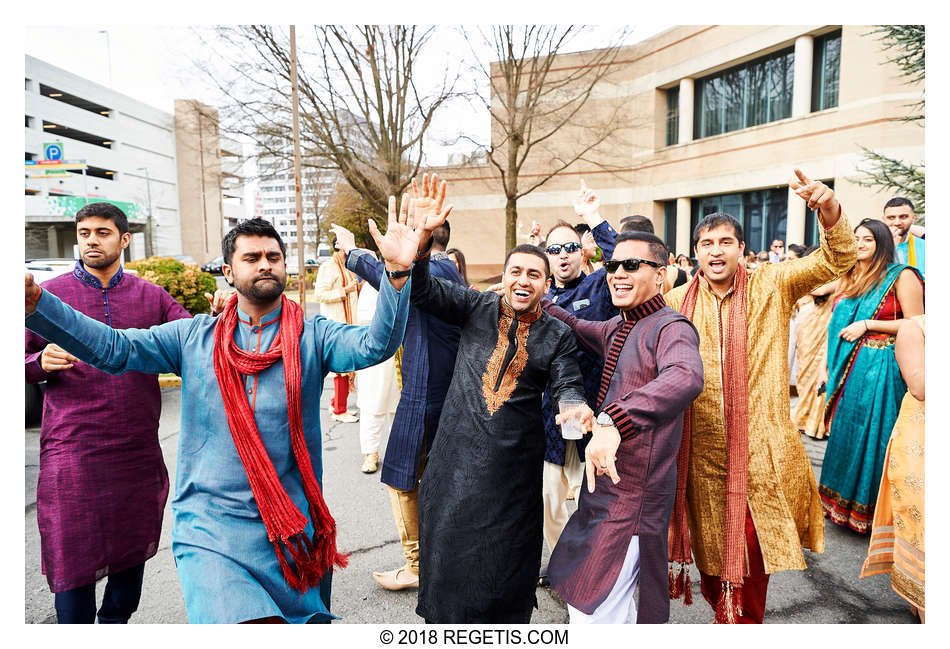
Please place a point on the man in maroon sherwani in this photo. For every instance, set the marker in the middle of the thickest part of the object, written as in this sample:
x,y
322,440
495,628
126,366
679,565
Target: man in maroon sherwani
x,y
652,373
102,483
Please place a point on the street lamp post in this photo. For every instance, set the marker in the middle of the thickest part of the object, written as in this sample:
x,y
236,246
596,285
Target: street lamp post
x,y
148,217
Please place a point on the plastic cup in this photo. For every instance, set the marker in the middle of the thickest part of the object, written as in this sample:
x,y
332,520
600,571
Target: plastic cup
x,y
571,428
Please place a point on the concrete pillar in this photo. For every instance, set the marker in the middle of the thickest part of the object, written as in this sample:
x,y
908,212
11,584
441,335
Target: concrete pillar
x,y
801,95
795,221
686,114
683,231
52,242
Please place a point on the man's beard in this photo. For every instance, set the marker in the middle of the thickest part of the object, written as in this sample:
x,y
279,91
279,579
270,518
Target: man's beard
x,y
261,292
104,261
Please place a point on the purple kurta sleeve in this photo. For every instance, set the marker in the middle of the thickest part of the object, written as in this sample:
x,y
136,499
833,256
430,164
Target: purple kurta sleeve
x,y
678,382
34,349
590,335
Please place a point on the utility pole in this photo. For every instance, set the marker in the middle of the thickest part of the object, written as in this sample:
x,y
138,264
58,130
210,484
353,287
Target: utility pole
x,y
108,53
148,218
298,197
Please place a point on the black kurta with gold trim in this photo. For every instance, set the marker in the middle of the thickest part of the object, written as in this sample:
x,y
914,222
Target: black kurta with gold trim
x,y
480,511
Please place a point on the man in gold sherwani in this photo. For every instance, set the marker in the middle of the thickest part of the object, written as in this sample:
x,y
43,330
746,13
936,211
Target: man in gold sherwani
x,y
782,513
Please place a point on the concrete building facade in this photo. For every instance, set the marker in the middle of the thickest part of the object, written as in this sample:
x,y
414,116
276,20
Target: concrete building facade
x,y
722,116
175,178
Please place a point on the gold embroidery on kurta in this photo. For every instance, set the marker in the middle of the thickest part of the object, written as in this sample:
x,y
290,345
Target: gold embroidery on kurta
x,y
494,399
914,481
914,512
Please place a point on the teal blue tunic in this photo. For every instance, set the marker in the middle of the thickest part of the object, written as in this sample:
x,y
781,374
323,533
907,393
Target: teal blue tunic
x,y
228,569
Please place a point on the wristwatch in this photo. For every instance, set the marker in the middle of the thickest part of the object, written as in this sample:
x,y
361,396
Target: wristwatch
x,y
396,274
604,419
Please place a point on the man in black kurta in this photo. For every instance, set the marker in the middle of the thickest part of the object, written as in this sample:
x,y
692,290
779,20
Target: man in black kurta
x,y
480,517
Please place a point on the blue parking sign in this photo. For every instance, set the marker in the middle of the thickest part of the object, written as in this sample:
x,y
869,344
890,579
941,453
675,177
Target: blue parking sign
x,y
53,151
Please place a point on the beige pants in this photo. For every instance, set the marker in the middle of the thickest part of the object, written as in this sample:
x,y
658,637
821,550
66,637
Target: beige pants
x,y
556,482
406,514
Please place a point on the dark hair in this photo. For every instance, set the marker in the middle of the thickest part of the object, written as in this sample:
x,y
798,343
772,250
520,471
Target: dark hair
x,y
561,224
658,249
854,282
897,201
714,220
104,211
527,248
810,249
636,223
581,228
779,240
763,256
440,236
798,250
460,258
251,228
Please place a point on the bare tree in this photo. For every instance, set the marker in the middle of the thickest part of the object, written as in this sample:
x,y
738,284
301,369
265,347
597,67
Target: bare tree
x,y
362,110
536,93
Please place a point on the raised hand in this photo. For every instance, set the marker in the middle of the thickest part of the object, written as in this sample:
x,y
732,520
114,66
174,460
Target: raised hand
x,y
586,205
588,245
818,196
345,239
401,242
428,202
220,299
55,359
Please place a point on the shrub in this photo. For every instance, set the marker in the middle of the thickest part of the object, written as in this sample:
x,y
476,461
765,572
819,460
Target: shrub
x,y
185,282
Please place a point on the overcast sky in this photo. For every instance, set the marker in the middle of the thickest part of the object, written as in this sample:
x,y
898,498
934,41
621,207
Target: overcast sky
x,y
154,65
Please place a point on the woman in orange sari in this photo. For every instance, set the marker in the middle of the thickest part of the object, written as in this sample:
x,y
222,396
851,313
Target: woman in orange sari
x,y
897,536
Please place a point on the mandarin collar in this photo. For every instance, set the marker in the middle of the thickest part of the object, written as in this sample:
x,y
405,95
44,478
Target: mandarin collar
x,y
84,276
644,309
524,317
574,283
267,319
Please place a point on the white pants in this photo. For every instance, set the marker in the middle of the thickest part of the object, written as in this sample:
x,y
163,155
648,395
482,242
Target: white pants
x,y
619,607
377,396
556,482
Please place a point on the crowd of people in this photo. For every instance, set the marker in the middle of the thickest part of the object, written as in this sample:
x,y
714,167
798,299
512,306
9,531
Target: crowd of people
x,y
602,368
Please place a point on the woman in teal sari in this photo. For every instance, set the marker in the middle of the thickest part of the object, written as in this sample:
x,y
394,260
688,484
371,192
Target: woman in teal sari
x,y
864,385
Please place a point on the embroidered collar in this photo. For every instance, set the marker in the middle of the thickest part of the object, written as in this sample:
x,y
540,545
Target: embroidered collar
x,y
83,275
523,317
641,311
436,256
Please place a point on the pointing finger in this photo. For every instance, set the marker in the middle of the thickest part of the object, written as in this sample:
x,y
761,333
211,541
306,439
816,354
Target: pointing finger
x,y
612,470
802,177
590,475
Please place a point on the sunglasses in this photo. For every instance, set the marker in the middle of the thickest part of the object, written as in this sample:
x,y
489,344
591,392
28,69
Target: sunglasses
x,y
629,265
555,248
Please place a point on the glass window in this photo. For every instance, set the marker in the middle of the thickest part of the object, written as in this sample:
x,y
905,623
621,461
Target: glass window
x,y
756,92
825,71
672,116
669,224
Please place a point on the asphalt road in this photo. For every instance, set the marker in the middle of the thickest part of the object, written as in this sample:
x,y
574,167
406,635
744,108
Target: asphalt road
x,y
829,591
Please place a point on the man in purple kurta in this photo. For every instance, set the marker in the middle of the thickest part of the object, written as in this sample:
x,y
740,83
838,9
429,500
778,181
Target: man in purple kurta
x,y
102,481
652,372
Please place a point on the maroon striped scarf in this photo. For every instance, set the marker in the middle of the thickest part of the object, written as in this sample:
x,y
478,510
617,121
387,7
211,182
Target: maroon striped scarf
x,y
735,397
286,525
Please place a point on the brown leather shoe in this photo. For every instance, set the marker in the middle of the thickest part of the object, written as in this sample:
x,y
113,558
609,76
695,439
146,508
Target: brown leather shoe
x,y
389,580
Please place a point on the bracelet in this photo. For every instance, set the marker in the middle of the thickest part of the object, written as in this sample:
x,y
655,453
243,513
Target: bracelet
x,y
32,301
866,327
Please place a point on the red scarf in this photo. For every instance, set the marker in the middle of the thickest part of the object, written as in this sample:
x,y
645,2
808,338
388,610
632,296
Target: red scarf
x,y
286,525
735,397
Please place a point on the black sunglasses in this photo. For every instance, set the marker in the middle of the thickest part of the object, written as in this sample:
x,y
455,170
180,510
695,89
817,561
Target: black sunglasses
x,y
555,248
629,265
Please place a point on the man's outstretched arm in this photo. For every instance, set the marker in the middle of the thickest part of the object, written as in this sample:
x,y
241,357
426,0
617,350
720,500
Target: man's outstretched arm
x,y
153,351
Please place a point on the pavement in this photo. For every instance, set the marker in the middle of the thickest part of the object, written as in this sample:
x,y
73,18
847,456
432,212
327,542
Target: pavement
x,y
829,591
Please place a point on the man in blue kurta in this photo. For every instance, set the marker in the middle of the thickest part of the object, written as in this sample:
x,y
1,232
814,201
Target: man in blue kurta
x,y
232,565
899,216
428,360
